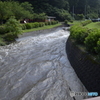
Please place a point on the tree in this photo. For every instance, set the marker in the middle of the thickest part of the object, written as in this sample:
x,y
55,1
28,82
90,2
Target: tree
x,y
12,8
13,28
19,12
27,6
79,16
5,11
40,16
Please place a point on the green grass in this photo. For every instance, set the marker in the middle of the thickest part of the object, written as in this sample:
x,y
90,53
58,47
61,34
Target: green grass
x,y
75,22
41,28
93,25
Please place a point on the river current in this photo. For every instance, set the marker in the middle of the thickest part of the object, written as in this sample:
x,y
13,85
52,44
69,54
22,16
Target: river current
x,y
37,68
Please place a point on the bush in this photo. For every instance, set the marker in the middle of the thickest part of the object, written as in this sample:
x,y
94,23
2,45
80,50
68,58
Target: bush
x,y
57,21
79,33
49,23
2,30
79,17
36,25
86,22
97,48
23,26
52,22
71,21
2,43
28,26
10,37
66,21
41,24
14,28
91,40
46,23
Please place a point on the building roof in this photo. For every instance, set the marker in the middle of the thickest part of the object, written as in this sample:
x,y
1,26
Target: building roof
x,y
50,17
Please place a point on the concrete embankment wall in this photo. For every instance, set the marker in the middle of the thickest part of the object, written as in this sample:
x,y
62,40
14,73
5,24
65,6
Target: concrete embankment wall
x,y
87,69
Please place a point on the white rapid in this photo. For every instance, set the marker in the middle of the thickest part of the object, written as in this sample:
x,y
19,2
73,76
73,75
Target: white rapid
x,y
37,68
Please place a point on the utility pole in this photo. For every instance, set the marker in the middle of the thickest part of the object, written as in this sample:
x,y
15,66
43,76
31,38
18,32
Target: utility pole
x,y
73,12
85,11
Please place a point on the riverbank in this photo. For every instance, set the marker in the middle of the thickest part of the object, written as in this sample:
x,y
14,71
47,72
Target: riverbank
x,y
31,32
39,31
42,28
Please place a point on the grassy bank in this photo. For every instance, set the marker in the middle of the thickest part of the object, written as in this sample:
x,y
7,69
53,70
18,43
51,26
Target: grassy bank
x,y
93,25
75,22
41,28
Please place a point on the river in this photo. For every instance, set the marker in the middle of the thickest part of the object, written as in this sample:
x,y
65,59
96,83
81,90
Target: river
x,y
37,68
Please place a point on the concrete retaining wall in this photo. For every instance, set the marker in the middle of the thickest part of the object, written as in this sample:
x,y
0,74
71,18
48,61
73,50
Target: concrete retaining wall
x,y
85,67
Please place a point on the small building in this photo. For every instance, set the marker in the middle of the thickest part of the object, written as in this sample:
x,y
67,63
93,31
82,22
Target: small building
x,y
46,19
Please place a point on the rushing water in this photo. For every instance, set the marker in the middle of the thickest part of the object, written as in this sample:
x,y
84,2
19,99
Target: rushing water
x,y
37,68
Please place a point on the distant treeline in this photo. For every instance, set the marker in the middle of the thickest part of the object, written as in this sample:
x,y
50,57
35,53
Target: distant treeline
x,y
89,8
61,9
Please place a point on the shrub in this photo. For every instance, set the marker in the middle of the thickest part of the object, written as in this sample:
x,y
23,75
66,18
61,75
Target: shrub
x,y
91,40
41,24
49,23
32,25
2,43
28,26
57,21
23,26
79,16
2,30
97,48
46,23
14,28
12,25
79,33
10,37
66,21
52,22
36,25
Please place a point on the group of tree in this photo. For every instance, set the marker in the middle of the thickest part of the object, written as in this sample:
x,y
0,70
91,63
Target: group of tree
x,y
21,11
89,8
61,9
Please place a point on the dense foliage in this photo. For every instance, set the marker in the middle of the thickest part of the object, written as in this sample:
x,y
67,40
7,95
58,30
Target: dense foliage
x,y
79,33
89,8
13,29
61,9
90,38
12,8
97,48
37,24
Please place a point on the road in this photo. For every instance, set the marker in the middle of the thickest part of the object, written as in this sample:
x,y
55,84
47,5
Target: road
x,y
37,68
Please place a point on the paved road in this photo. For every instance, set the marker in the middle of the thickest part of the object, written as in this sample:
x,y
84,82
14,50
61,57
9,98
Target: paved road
x,y
37,68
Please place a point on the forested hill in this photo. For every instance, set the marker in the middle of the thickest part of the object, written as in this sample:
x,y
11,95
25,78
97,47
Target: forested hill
x,y
51,7
63,9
